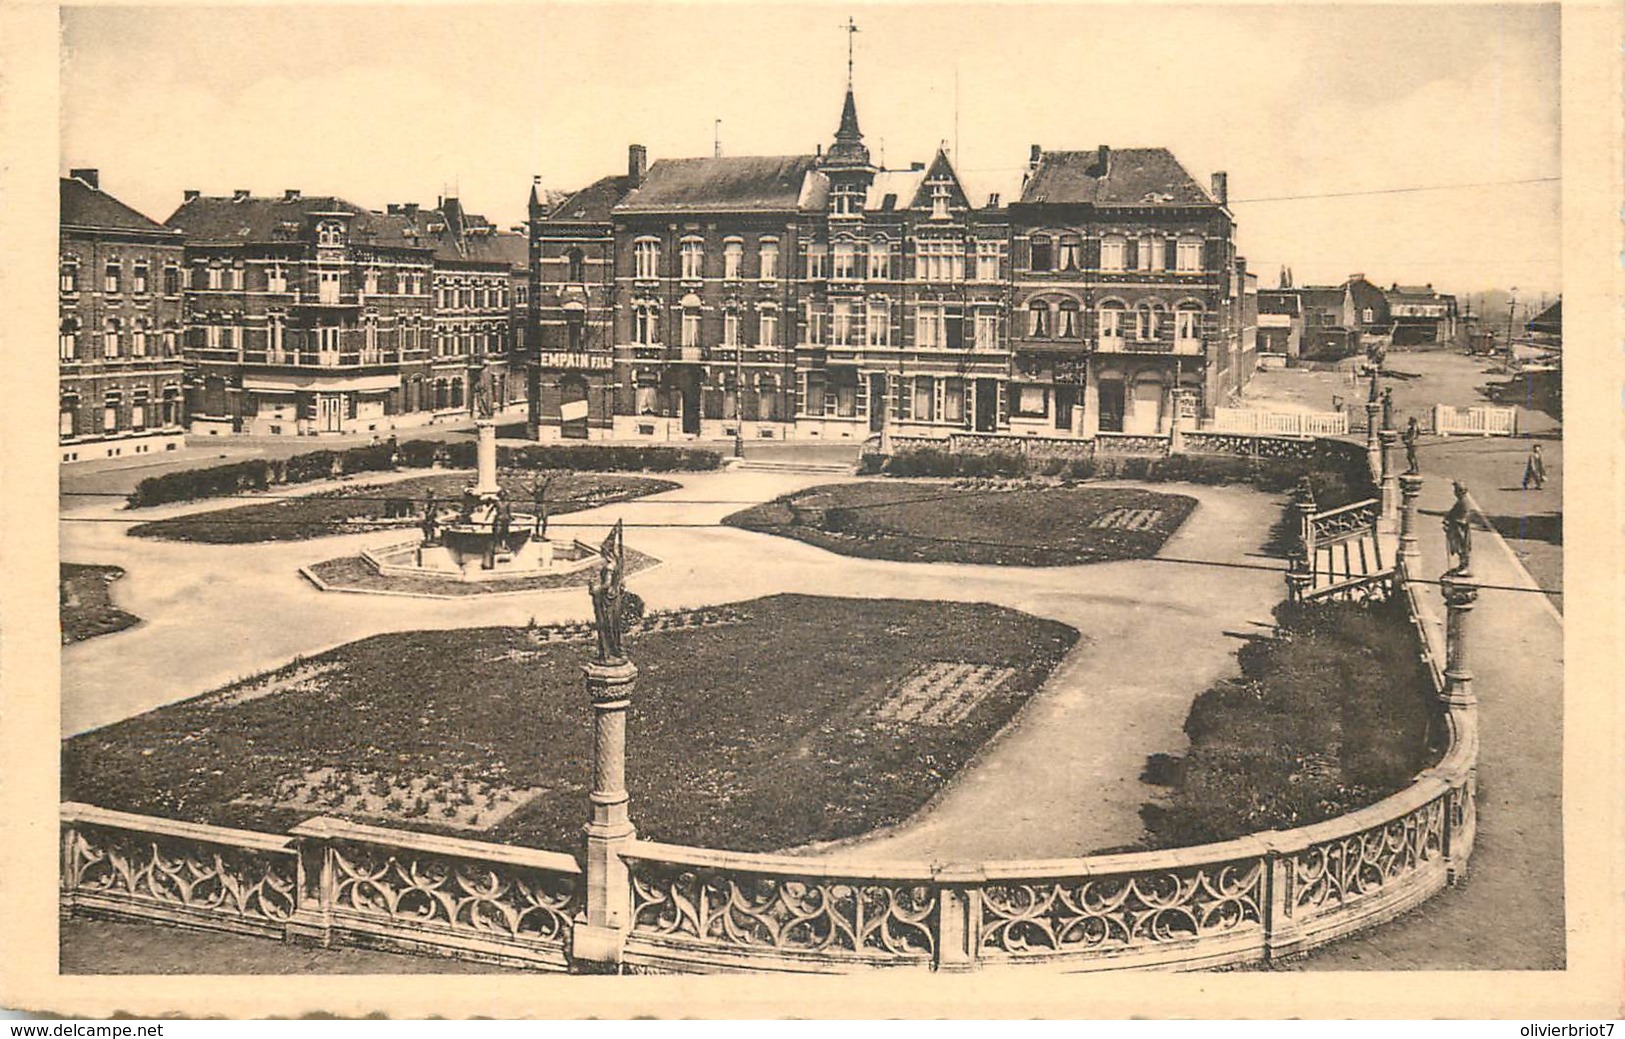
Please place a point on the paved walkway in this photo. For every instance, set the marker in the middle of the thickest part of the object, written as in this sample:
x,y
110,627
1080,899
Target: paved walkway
x,y
1509,912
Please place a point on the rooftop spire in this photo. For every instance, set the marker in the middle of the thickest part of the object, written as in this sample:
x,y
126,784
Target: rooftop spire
x,y
848,149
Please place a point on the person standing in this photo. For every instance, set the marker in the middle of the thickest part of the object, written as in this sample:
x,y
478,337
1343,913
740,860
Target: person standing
x,y
1534,470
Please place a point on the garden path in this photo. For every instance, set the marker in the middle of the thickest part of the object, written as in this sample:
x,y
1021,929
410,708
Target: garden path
x,y
1062,780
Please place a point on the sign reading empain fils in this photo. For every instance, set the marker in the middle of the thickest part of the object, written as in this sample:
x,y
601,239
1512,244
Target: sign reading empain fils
x,y
564,359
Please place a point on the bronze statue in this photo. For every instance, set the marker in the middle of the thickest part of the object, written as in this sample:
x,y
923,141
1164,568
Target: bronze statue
x,y
608,591
1413,433
1388,408
482,400
1458,532
429,519
502,525
538,498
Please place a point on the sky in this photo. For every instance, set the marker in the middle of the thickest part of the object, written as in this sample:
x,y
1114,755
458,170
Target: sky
x,y
401,103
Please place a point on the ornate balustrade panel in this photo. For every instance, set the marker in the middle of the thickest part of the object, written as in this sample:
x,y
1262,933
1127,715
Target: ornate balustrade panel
x,y
1349,521
1164,912
739,912
1367,874
422,891
177,872
1364,589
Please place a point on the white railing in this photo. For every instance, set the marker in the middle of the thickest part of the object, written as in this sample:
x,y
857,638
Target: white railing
x,y
1482,421
1288,423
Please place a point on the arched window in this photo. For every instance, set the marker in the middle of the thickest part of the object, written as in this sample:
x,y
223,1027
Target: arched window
x,y
68,278
1042,257
1038,319
1149,319
67,339
769,256
138,338
692,253
1070,253
646,258
577,262
1188,326
1110,315
733,259
110,338
1066,326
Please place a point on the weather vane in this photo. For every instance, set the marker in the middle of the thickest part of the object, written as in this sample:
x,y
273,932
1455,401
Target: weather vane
x,y
851,28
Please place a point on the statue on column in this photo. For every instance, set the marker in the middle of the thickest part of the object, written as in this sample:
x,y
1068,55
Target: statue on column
x,y
482,400
1413,433
1458,532
608,591
1388,408
1372,394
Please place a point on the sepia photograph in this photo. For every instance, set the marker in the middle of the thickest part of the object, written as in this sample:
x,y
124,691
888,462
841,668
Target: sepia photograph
x,y
1027,493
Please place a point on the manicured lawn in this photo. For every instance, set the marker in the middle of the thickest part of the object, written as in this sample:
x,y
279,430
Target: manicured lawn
x,y
1331,717
86,602
940,522
357,510
355,574
794,719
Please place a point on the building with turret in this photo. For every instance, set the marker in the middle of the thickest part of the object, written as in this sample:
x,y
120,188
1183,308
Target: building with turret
x,y
822,296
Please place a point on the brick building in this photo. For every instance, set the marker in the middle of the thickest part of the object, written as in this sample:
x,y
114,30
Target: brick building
x,y
1132,305
119,333
572,307
1421,315
480,288
304,315
1280,323
821,296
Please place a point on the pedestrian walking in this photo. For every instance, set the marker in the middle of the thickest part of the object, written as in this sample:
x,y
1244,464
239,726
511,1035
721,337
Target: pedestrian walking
x,y
1534,470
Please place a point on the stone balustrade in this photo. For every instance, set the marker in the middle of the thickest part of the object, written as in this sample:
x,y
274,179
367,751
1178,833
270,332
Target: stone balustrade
x,y
642,906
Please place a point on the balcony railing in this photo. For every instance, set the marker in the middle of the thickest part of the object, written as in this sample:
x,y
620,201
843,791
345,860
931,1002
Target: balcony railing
x,y
323,358
1135,345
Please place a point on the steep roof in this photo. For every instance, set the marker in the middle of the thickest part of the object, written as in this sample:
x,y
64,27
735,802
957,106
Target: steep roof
x,y
234,221
1321,297
1129,177
939,171
1549,320
85,206
900,184
727,184
592,203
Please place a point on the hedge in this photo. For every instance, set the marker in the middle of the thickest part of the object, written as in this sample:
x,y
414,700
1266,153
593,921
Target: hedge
x,y
258,474
1337,481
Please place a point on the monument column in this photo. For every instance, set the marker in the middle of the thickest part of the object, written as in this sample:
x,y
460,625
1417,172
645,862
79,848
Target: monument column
x,y
1388,489
486,457
600,930
1410,556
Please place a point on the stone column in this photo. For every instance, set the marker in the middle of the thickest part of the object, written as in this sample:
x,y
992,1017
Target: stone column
x,y
1460,595
1090,425
1300,576
1373,442
600,931
1389,486
1410,557
486,478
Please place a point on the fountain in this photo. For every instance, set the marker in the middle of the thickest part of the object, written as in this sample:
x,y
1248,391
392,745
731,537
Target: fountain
x,y
482,539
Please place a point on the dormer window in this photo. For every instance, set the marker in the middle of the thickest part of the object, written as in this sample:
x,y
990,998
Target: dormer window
x,y
330,233
846,200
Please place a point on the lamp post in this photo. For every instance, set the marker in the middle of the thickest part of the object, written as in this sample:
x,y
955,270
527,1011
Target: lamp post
x,y
1512,306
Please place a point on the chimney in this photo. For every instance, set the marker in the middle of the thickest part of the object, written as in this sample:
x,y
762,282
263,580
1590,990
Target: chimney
x,y
239,195
1103,160
637,164
1033,156
291,195
916,167
1221,188
91,177
409,208
392,209
993,200
191,195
